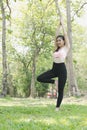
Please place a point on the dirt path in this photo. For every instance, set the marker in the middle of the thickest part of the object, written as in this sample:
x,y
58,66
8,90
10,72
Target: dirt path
x,y
41,101
73,100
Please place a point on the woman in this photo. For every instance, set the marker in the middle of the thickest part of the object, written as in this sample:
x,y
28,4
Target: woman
x,y
59,68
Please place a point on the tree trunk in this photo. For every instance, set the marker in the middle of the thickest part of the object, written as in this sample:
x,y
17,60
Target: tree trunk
x,y
73,87
33,89
10,88
4,57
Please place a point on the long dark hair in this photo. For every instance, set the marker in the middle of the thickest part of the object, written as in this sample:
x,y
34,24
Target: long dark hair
x,y
62,37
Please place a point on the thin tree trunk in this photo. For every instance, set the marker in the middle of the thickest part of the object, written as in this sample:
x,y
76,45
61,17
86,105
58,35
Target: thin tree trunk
x,y
10,88
33,89
4,58
73,87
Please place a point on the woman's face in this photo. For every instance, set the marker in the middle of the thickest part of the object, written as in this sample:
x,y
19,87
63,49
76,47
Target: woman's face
x,y
60,42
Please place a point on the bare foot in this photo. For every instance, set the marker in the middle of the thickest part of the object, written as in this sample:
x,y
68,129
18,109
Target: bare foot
x,y
57,108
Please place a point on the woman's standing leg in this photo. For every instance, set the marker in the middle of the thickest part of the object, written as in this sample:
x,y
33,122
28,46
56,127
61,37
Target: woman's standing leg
x,y
46,77
61,85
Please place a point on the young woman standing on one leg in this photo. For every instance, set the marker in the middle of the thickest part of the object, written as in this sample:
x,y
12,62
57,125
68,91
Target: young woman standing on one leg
x,y
59,68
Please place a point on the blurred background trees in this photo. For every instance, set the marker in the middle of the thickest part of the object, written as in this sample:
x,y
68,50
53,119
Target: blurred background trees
x,y
30,32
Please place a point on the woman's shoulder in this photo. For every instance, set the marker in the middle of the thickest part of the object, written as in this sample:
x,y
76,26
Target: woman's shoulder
x,y
65,48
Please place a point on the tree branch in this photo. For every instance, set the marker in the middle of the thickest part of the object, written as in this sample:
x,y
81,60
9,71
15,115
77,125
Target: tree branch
x,y
49,4
7,1
77,11
57,8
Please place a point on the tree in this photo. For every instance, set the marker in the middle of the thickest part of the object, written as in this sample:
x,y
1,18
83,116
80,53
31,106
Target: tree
x,y
73,87
4,56
36,34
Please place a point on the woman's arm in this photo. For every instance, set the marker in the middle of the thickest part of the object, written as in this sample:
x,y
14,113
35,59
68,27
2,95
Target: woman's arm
x,y
67,44
57,33
58,30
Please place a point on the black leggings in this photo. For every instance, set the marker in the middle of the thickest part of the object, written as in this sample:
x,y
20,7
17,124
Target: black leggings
x,y
58,70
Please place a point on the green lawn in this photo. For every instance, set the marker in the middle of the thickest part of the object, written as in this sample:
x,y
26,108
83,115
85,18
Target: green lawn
x,y
40,114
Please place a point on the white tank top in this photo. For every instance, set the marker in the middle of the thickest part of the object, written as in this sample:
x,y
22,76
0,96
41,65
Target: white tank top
x,y
60,55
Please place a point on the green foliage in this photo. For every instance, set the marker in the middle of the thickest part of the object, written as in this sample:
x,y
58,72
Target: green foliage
x,y
42,89
79,55
8,17
9,31
35,33
80,66
32,32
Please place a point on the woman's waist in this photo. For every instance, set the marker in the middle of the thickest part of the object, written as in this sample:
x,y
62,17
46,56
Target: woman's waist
x,y
59,60
58,66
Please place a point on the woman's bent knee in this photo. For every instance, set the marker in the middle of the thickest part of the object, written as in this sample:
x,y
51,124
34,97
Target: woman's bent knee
x,y
38,78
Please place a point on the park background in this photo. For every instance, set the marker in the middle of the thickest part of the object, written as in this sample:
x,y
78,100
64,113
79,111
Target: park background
x,y
27,33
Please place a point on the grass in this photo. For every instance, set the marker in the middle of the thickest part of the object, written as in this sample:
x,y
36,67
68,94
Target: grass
x,y
40,114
